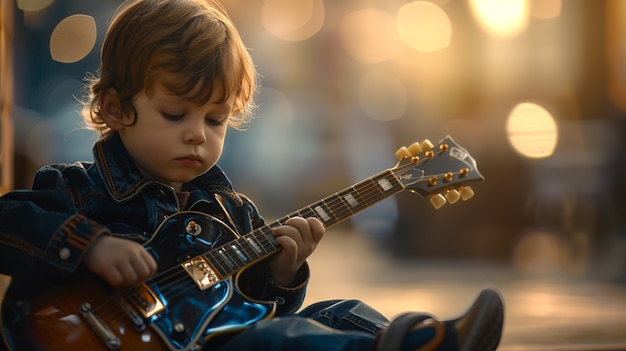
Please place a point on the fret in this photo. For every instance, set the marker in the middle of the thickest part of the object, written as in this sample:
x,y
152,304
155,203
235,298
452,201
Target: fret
x,y
343,205
378,188
266,239
388,183
225,258
218,263
277,223
350,199
384,184
319,210
305,212
248,250
353,197
255,245
239,253
322,214
369,192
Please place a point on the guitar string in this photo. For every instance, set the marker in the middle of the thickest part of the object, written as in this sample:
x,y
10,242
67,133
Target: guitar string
x,y
182,276
328,203
165,280
332,203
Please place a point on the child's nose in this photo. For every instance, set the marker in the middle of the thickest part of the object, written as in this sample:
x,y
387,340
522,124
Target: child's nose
x,y
195,135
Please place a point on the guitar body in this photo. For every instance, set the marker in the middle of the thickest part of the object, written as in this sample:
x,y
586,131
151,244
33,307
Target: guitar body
x,y
51,316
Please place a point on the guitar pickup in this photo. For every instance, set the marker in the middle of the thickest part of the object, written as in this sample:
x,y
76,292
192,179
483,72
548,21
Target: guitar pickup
x,y
201,272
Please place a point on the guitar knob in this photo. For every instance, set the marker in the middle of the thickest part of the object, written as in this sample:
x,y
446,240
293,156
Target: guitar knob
x,y
438,201
193,228
179,331
453,196
466,193
179,327
402,153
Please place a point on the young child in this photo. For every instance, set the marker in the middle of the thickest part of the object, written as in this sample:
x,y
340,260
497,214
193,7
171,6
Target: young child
x,y
174,75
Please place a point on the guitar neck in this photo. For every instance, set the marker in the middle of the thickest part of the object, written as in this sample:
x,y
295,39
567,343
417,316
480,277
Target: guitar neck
x,y
342,205
259,244
428,170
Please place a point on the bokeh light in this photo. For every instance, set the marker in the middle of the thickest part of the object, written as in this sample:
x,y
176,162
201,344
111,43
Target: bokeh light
x,y
424,26
531,130
73,38
545,9
33,5
370,36
293,20
501,18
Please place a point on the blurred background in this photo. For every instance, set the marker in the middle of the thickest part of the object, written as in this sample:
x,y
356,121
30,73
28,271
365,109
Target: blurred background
x,y
533,89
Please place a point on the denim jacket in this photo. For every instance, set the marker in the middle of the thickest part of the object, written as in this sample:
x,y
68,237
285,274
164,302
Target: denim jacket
x,y
51,226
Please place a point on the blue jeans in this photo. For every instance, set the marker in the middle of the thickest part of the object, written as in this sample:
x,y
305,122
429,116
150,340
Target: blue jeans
x,y
337,325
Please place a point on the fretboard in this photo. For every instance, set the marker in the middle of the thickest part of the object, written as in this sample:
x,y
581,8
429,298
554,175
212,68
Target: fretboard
x,y
259,244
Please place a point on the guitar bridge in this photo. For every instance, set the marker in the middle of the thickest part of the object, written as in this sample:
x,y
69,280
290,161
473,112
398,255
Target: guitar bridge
x,y
145,301
201,272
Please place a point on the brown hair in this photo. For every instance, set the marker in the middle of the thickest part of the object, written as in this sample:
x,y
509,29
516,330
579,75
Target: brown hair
x,y
195,39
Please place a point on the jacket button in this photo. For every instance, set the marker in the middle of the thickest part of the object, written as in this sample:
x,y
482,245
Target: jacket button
x,y
279,300
64,253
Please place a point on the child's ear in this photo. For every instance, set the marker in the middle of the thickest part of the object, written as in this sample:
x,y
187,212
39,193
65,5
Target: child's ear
x,y
111,110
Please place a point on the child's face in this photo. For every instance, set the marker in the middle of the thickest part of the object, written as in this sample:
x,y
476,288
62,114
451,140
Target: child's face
x,y
174,140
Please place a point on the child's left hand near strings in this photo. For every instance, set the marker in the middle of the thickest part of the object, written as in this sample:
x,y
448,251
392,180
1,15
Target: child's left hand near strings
x,y
298,238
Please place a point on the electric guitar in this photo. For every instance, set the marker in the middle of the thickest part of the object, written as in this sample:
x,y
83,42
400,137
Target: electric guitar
x,y
194,297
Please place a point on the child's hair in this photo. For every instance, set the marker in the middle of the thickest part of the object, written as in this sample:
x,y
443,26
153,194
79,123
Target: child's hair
x,y
195,39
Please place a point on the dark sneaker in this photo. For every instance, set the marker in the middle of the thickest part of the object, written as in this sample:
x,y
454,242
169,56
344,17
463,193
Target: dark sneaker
x,y
478,329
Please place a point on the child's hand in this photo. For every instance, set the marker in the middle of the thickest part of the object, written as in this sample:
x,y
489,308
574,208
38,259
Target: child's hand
x,y
120,262
298,239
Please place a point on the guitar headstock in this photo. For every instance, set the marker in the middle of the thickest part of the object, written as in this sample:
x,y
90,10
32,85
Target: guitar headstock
x,y
439,171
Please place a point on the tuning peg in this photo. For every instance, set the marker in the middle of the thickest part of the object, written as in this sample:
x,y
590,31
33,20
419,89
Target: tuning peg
x,y
415,148
403,152
426,145
466,193
453,196
438,201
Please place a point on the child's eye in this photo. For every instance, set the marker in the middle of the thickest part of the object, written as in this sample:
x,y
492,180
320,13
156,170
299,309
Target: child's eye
x,y
216,122
173,117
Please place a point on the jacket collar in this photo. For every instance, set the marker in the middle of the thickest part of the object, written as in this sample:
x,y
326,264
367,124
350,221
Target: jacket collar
x,y
123,180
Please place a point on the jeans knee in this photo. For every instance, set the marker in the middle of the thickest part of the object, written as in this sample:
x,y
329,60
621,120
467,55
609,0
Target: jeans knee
x,y
346,315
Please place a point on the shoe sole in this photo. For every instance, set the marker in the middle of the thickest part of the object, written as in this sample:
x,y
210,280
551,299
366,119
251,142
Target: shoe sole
x,y
482,324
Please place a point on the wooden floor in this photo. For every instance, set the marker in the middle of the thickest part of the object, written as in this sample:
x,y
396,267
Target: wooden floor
x,y
546,313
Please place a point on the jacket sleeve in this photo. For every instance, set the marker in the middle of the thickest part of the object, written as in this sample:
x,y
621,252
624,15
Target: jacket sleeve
x,y
256,281
43,227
